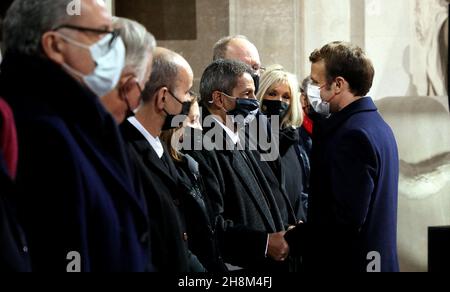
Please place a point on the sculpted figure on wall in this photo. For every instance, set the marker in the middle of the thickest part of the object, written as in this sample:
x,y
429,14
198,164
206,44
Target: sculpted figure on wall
x,y
430,48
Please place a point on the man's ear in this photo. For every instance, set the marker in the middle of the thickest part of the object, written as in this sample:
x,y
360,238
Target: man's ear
x,y
127,82
217,99
160,98
340,84
53,46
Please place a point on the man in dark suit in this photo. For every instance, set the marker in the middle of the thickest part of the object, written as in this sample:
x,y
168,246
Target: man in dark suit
x,y
239,48
77,202
166,98
249,221
354,181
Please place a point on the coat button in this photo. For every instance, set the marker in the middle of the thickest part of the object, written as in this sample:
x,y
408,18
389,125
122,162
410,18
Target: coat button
x,y
185,236
176,202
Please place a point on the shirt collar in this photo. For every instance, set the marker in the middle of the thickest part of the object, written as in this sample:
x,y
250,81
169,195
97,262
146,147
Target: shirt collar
x,y
154,142
232,135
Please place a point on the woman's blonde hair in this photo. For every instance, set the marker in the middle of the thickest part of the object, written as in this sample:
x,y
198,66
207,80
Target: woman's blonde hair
x,y
276,74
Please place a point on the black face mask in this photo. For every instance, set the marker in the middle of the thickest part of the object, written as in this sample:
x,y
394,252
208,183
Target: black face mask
x,y
244,106
275,108
130,113
256,79
169,122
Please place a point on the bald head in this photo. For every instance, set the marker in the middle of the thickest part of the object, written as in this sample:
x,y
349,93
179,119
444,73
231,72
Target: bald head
x,y
238,48
169,70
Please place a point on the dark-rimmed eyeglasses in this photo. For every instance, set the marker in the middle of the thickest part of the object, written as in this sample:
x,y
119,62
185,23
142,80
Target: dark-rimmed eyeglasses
x,y
114,34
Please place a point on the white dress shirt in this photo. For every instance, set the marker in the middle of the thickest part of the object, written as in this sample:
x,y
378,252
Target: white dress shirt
x,y
232,135
154,142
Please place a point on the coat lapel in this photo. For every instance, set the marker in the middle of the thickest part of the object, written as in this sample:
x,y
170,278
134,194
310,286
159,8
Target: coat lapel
x,y
148,154
364,104
119,175
253,190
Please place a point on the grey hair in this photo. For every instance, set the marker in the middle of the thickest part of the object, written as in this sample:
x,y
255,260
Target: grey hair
x,y
221,47
138,43
27,20
222,75
165,70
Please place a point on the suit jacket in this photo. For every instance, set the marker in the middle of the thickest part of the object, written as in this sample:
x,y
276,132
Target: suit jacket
x,y
14,255
241,199
273,171
354,188
76,192
158,180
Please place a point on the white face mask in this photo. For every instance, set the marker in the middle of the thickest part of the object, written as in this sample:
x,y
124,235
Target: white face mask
x,y
321,107
109,60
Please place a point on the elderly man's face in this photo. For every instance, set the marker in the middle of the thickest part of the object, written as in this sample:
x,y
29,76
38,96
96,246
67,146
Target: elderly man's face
x,y
93,15
59,46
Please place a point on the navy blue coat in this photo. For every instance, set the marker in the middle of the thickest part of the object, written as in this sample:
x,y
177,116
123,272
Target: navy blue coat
x,y
76,193
14,255
354,189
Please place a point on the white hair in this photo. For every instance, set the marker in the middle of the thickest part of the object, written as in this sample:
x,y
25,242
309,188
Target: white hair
x,y
138,42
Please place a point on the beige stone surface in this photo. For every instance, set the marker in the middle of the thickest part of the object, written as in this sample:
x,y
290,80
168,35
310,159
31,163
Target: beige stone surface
x,y
422,129
213,24
274,26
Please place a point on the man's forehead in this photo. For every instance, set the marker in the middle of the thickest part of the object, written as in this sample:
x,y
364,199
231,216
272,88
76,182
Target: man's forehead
x,y
245,81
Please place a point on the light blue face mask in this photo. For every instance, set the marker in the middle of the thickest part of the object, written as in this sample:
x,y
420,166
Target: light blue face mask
x,y
320,106
110,61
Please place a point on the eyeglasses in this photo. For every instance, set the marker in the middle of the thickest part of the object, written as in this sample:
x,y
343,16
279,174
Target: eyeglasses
x,y
114,34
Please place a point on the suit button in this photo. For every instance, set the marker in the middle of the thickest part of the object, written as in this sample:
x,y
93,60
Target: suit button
x,y
145,238
176,202
185,236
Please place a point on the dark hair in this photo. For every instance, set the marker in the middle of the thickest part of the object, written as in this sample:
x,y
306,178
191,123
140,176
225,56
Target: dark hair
x,y
4,5
222,75
347,61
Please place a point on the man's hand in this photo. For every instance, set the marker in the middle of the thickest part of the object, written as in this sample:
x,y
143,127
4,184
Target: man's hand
x,y
278,247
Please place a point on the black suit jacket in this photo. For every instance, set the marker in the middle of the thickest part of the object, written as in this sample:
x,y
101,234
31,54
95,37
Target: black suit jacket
x,y
242,202
158,181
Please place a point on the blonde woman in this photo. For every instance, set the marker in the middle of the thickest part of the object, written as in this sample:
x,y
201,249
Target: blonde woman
x,y
279,97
